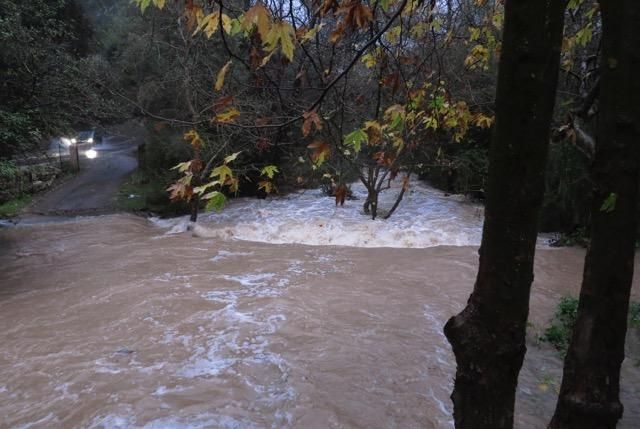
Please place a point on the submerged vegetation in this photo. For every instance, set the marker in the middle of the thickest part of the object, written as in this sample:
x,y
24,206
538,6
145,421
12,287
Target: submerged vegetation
x,y
558,333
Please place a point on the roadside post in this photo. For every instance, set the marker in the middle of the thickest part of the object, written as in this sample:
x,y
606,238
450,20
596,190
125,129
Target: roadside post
x,y
74,157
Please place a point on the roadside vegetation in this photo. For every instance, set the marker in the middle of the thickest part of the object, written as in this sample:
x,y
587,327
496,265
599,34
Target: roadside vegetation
x,y
13,207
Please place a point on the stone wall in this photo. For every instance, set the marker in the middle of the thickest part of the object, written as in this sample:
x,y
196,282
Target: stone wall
x,y
27,180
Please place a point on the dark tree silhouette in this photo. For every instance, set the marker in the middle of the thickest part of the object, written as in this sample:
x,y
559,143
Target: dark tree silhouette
x,y
488,336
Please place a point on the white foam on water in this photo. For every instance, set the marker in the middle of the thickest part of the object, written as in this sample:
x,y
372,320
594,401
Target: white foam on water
x,y
446,361
237,338
103,366
425,218
192,422
225,254
49,419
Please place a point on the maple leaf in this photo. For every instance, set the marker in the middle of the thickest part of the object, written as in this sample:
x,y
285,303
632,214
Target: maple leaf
x,y
180,191
355,139
194,15
374,132
310,34
222,172
221,103
483,121
269,171
281,33
208,24
227,117
321,152
193,137
215,200
311,119
357,14
259,16
266,185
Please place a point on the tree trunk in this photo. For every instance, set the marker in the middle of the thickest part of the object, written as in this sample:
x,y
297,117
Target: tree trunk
x,y
488,336
195,207
589,396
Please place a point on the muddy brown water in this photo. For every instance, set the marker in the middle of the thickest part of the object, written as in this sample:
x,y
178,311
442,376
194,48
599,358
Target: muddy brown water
x,y
107,322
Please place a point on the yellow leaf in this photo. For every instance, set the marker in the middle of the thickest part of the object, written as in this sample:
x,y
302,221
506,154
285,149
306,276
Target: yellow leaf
x,y
226,23
266,185
208,24
259,16
159,3
281,33
231,157
309,35
266,59
222,172
227,117
221,75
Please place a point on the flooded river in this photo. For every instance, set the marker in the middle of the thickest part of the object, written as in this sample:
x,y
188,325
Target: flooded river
x,y
109,322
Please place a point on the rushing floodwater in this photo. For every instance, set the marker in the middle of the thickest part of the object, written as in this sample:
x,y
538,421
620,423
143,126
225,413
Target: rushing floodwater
x,y
110,322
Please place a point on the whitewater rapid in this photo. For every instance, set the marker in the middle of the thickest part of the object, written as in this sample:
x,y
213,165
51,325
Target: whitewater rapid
x,y
426,217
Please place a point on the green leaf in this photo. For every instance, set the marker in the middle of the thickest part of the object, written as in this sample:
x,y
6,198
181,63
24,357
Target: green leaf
x,y
355,139
609,203
143,4
437,102
215,201
269,171
396,123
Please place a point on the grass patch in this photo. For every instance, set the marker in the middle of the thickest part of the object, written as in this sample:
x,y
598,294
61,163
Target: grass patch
x,y
146,192
13,207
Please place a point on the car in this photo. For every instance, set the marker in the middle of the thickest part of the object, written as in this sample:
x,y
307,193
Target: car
x,y
85,137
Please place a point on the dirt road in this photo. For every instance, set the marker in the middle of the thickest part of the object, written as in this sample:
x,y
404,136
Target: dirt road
x,y
94,189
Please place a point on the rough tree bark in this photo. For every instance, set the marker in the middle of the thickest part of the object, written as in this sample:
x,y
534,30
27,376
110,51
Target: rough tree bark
x,y
589,395
488,336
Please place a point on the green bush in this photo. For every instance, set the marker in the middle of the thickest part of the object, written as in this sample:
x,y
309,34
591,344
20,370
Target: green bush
x,y
8,169
558,334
